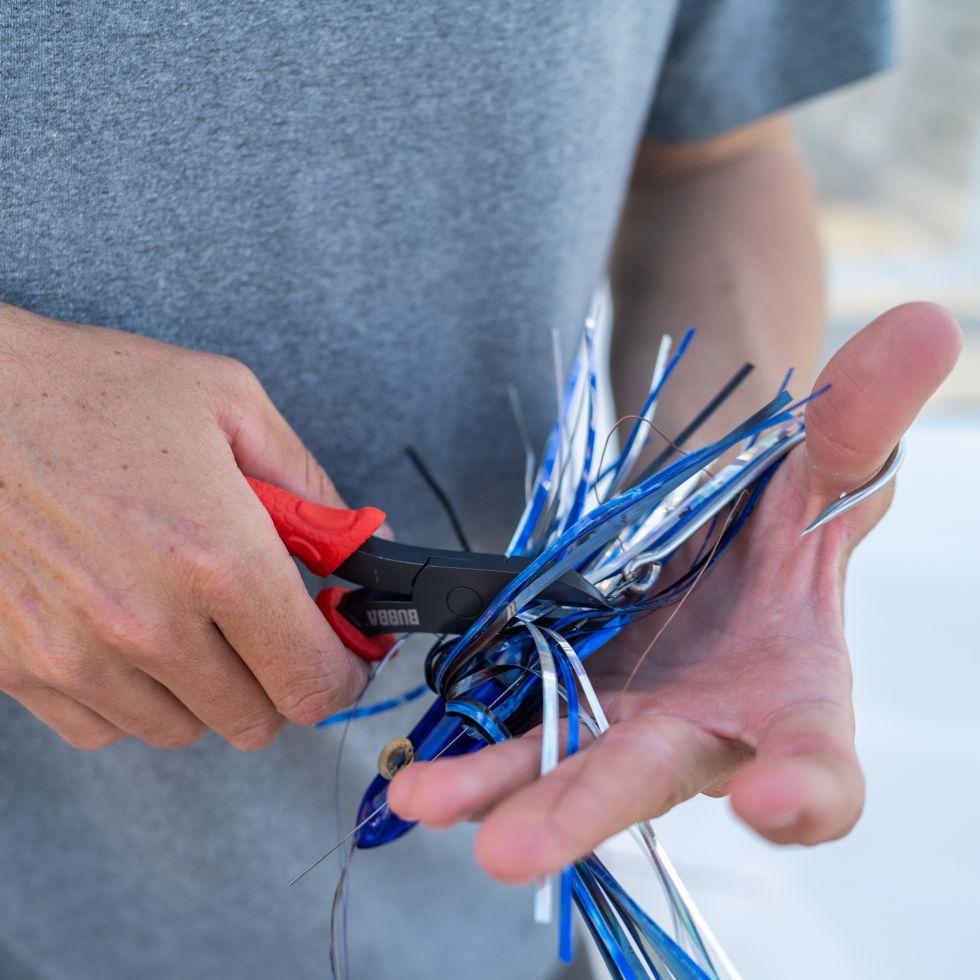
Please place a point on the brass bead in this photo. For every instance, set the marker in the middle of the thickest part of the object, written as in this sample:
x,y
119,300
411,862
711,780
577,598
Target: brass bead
x,y
397,754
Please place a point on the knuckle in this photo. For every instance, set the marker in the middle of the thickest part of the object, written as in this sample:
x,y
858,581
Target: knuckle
x,y
106,620
211,570
63,668
310,700
91,738
176,738
238,375
256,733
122,630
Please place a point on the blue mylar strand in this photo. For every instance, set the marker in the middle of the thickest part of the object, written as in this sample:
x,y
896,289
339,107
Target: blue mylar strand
x,y
783,387
651,398
525,529
565,947
374,709
581,492
683,966
613,943
594,530
480,716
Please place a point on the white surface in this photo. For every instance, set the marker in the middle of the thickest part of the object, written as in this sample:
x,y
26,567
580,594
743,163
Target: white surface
x,y
900,897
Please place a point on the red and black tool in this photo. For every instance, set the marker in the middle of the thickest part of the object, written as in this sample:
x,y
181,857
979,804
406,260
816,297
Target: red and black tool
x,y
403,588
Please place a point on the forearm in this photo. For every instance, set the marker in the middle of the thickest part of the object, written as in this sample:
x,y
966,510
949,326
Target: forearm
x,y
722,237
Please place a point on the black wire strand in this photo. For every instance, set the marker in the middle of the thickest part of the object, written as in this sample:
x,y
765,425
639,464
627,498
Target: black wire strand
x,y
736,379
440,495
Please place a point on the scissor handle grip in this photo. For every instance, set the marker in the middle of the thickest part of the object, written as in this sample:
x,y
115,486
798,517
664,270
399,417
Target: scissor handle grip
x,y
368,648
322,538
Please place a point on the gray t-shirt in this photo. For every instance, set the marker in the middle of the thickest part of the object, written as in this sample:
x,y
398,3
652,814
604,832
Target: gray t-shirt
x,y
384,209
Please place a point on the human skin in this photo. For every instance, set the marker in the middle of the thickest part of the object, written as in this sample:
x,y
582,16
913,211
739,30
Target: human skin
x,y
747,691
143,588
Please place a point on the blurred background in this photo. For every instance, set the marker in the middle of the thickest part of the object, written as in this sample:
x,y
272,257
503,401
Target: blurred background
x,y
897,164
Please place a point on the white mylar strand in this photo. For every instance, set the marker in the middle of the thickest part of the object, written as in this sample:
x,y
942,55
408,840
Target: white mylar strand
x,y
544,898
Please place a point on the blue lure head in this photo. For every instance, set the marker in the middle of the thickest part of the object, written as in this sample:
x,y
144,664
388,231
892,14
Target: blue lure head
x,y
435,735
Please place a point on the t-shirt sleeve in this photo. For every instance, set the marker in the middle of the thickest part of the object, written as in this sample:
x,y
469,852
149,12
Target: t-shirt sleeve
x,y
732,61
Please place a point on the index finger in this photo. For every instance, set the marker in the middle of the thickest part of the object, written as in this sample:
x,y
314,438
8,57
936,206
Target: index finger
x,y
266,614
635,771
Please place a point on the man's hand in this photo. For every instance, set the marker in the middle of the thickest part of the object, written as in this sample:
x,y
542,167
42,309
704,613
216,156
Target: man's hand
x,y
748,691
143,588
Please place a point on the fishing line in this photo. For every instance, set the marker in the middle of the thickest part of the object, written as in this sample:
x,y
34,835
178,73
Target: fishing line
x,y
692,427
660,632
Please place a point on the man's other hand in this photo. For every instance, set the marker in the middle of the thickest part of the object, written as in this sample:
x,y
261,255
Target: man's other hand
x,y
748,692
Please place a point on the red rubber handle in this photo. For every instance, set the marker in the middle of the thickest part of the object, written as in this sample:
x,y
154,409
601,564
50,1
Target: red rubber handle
x,y
322,538
366,647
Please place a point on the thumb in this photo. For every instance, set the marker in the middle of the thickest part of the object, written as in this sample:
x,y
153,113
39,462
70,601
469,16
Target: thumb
x,y
879,380
266,447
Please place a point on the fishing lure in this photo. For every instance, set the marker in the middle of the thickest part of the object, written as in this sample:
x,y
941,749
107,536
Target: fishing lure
x,y
522,659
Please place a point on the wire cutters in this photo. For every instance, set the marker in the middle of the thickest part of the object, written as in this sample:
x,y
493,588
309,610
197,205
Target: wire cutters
x,y
403,588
